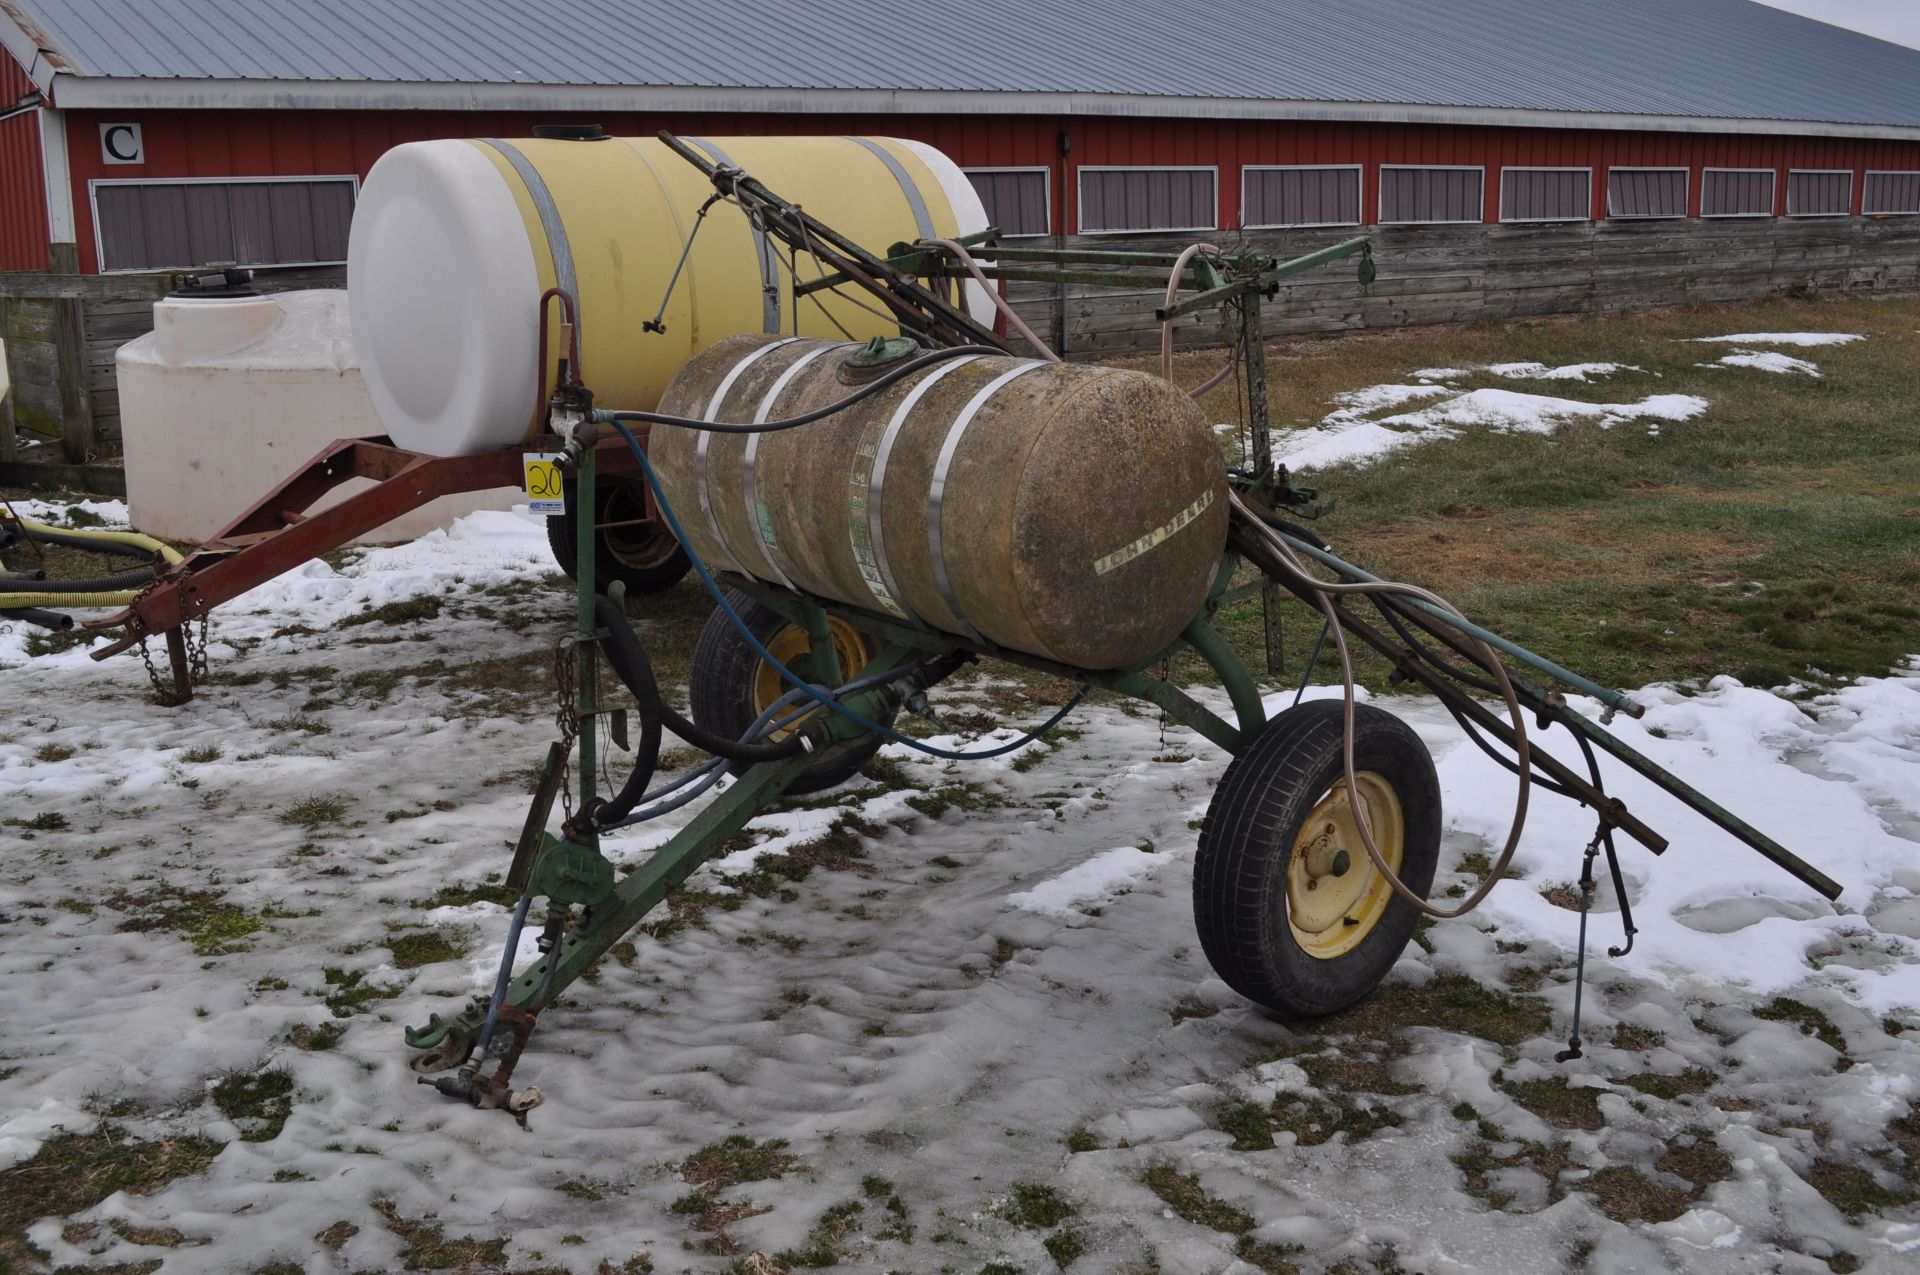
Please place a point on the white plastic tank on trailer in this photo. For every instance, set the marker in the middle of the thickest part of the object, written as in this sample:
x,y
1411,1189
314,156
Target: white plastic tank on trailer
x,y
229,396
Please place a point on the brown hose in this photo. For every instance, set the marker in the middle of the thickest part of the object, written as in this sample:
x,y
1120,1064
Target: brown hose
x,y
1187,254
1014,320
1322,593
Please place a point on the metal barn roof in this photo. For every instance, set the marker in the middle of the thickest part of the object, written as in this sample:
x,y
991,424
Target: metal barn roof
x,y
1692,64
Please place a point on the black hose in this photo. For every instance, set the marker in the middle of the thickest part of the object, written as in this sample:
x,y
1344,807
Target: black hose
x,y
88,543
95,584
35,575
629,660
819,413
58,621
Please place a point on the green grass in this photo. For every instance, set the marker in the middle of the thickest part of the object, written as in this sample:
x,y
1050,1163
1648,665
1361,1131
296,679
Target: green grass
x,y
74,1172
1628,558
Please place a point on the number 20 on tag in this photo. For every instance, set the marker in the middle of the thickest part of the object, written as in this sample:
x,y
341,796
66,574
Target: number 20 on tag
x,y
545,495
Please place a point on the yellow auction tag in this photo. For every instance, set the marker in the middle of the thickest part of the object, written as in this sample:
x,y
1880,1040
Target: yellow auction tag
x,y
545,495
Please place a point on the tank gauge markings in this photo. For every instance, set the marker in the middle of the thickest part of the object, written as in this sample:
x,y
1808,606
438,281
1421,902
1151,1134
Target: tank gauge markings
x,y
1159,535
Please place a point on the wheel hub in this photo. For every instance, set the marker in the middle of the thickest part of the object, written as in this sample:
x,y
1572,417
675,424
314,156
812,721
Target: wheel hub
x,y
1335,896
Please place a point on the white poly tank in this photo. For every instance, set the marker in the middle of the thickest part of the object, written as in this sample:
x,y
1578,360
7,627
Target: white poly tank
x,y
229,396
454,242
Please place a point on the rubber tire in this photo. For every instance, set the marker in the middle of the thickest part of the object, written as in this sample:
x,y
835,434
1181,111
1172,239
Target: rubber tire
x,y
562,535
1246,842
721,692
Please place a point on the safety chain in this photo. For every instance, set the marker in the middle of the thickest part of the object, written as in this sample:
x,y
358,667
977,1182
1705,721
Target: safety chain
x,y
164,687
566,717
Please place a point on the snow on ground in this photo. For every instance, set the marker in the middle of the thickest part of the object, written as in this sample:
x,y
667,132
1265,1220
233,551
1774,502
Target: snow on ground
x,y
1783,338
1353,433
1766,361
1007,992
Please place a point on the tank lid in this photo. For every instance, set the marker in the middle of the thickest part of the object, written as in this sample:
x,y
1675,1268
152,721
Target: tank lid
x,y
231,281
876,355
570,132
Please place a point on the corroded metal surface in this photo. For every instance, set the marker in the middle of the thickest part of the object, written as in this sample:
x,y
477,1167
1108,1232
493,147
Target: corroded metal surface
x,y
1079,514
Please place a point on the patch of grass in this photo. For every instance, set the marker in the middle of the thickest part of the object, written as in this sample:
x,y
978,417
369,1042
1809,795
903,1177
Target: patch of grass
x,y
315,1039
45,821
1659,1085
1064,1247
1314,1121
405,611
1626,557
1192,1008
423,947
1812,1022
425,1245
73,1172
1479,1162
1183,1193
213,926
1036,1206
968,797
827,1242
1273,1259
736,1159
1558,1103
1347,1072
1249,1123
706,1211
52,752
336,1235
1627,1195
1080,1139
351,993
1857,1190
258,1102
1451,1002
459,896
1639,1039
316,811
298,722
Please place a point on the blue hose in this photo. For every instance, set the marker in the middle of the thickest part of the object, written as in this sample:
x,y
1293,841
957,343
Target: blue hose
x,y
794,679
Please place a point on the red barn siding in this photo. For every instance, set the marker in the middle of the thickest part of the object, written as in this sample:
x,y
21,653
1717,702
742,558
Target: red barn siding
x,y
23,194
291,143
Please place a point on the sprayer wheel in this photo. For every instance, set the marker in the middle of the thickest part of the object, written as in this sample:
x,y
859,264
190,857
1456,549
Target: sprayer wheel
x,y
1290,909
646,559
730,685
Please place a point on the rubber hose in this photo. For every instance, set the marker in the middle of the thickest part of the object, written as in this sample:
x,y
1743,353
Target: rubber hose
x,y
993,294
96,584
58,621
19,601
98,538
32,577
72,541
629,660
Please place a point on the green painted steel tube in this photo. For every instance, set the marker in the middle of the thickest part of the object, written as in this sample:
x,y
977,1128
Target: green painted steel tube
x,y
646,886
1220,656
1611,698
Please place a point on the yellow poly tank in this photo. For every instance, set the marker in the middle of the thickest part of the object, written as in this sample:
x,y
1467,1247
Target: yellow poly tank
x,y
454,242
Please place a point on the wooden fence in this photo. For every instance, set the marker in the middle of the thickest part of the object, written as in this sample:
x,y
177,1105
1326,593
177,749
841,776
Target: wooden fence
x,y
61,330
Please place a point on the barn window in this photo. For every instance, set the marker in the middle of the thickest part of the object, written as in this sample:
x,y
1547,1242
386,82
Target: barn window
x,y
1736,192
258,221
1017,200
1414,195
1646,192
1546,194
1115,199
1891,194
1274,195
1819,192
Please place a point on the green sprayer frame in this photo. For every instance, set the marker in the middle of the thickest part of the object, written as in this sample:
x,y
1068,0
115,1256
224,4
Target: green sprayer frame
x,y
590,907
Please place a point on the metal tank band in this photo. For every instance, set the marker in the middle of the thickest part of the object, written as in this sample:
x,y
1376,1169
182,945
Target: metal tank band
x,y
700,451
756,508
937,491
871,554
769,264
564,275
921,217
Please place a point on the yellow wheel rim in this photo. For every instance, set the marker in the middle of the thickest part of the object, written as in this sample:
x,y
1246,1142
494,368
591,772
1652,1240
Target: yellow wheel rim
x,y
1335,896
792,643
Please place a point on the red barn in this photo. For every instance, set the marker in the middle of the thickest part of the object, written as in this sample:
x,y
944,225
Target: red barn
x,y
1509,156
154,135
